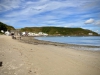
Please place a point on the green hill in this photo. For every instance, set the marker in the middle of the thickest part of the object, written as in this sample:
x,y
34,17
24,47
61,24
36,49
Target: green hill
x,y
6,27
54,31
61,31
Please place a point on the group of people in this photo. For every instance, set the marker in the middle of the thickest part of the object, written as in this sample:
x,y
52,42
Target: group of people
x,y
15,37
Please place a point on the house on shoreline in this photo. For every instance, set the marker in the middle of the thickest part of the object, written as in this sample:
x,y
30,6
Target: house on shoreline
x,y
34,34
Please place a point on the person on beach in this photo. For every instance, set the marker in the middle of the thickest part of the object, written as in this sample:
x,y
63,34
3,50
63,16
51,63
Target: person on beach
x,y
12,34
20,34
0,63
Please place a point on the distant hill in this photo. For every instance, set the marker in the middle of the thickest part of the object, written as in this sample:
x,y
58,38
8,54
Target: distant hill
x,y
60,31
6,27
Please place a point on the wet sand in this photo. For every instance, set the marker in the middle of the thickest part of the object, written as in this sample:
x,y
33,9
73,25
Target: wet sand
x,y
32,40
25,57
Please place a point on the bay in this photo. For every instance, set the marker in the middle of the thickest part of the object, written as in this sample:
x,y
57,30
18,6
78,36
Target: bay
x,y
78,40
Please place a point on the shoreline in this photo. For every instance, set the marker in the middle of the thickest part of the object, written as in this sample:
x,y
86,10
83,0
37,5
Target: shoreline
x,y
32,40
30,58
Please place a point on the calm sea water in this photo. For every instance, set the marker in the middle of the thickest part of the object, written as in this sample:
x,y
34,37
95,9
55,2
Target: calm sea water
x,y
86,40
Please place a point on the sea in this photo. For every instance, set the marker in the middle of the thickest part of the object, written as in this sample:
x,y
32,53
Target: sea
x,y
77,40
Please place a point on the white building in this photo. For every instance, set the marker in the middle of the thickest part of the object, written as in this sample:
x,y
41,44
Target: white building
x,y
7,33
34,34
23,33
43,34
90,33
2,31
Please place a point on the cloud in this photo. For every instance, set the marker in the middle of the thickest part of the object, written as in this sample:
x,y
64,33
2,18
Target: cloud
x,y
97,22
89,21
32,8
6,5
49,12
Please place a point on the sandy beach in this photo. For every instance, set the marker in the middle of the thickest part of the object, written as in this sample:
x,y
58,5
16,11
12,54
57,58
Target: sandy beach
x,y
20,58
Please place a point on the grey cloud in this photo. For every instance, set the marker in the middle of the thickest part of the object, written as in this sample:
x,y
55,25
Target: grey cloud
x,y
89,21
97,22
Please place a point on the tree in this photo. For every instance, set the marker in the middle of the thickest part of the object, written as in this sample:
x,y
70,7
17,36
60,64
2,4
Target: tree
x,y
3,27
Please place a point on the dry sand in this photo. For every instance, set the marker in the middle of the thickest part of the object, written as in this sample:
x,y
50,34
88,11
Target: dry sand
x,y
37,59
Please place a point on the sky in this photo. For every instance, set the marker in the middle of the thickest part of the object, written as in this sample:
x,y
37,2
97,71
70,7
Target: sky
x,y
60,13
